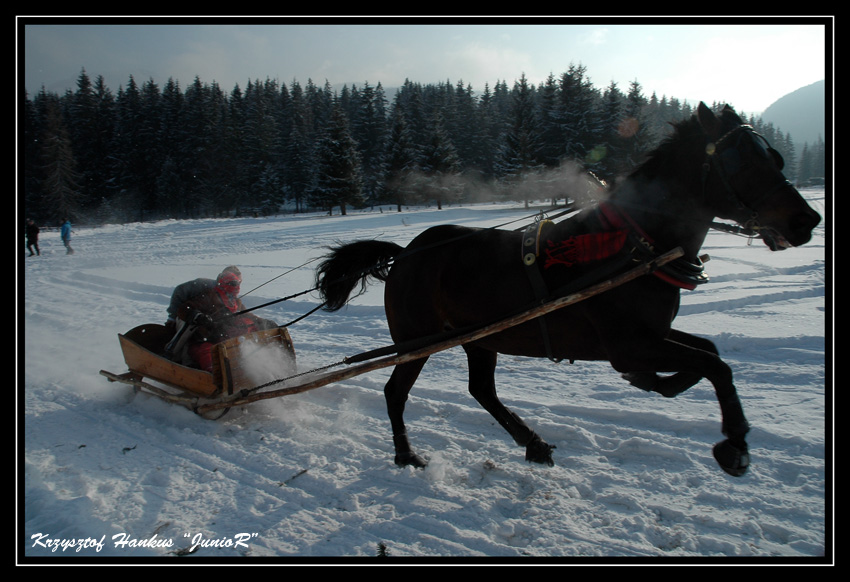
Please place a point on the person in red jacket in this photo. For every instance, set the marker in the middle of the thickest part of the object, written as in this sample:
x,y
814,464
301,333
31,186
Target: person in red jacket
x,y
215,315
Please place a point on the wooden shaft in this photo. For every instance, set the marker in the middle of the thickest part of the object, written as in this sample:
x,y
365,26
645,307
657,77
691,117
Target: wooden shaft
x,y
543,309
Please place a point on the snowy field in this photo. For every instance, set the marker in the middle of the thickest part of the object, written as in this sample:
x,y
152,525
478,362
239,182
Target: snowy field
x,y
310,479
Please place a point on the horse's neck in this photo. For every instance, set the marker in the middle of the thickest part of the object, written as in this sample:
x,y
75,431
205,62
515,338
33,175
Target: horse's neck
x,y
668,217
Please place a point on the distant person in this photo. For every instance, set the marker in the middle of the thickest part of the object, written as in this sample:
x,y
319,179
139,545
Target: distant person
x,y
65,233
211,309
32,237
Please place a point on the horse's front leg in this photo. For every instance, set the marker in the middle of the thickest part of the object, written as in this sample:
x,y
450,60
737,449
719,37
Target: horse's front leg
x,y
653,356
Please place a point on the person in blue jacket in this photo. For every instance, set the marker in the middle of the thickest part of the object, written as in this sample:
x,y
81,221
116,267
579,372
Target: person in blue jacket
x,y
65,233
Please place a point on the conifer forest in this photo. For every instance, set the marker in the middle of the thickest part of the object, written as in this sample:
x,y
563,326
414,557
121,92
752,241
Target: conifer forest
x,y
149,152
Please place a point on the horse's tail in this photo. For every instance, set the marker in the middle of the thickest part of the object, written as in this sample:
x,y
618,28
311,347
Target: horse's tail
x,y
347,264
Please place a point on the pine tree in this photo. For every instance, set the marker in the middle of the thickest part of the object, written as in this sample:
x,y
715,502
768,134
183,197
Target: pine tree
x,y
410,99
439,164
488,135
401,160
84,130
129,161
519,159
804,168
170,188
369,129
786,149
819,165
338,180
321,103
578,114
206,184
463,126
609,158
151,155
103,141
60,178
551,123
33,199
261,154
635,132
299,149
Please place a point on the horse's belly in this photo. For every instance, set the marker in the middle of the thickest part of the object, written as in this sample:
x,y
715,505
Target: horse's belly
x,y
567,336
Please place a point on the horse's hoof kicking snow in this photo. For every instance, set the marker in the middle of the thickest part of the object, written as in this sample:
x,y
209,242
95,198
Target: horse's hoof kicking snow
x,y
410,459
731,458
539,451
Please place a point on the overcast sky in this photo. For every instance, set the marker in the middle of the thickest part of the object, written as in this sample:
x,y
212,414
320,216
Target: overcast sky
x,y
748,65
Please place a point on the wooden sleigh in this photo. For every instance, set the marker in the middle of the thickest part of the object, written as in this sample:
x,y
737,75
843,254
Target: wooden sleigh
x,y
144,353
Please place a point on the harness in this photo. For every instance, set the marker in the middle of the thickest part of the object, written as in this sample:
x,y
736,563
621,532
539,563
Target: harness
x,y
727,161
530,251
680,273
620,236
617,242
617,231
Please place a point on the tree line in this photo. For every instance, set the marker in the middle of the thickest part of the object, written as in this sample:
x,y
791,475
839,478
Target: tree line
x,y
149,153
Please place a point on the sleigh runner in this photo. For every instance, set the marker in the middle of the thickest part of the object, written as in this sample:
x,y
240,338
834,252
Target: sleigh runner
x,y
144,350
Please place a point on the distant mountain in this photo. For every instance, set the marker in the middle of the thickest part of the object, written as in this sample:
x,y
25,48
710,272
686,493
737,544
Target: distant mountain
x,y
801,113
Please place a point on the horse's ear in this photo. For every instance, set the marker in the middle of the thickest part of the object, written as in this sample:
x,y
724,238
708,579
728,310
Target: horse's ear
x,y
729,111
709,122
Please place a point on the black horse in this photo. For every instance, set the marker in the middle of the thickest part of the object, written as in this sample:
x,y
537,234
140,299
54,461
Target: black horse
x,y
451,278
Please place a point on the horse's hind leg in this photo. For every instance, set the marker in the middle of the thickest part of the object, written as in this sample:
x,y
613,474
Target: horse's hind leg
x,y
482,386
396,392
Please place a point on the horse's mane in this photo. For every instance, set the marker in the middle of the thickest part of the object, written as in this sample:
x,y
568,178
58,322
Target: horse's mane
x,y
672,148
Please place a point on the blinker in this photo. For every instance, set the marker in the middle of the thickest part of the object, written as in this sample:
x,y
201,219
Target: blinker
x,y
763,147
731,157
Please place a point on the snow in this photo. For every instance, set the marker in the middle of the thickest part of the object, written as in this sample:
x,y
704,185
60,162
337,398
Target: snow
x,y
309,479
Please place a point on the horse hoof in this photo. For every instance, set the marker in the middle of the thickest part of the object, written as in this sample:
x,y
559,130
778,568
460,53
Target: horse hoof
x,y
539,451
731,458
410,459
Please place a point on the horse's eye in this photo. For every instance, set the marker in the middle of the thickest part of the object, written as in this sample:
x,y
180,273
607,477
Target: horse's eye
x,y
762,147
777,158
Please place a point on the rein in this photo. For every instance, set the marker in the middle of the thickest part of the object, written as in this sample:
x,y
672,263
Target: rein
x,y
380,266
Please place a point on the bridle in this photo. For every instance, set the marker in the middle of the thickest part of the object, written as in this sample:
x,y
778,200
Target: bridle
x,y
726,162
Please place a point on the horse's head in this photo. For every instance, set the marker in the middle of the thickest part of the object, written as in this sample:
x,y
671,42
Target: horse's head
x,y
744,182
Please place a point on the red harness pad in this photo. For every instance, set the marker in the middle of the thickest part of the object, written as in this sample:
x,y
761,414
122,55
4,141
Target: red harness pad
x,y
584,248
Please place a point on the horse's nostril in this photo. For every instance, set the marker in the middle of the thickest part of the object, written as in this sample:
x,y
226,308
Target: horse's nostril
x,y
816,218
806,221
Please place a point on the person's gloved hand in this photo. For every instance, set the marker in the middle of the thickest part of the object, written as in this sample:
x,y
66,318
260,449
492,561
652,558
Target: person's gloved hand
x,y
200,319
